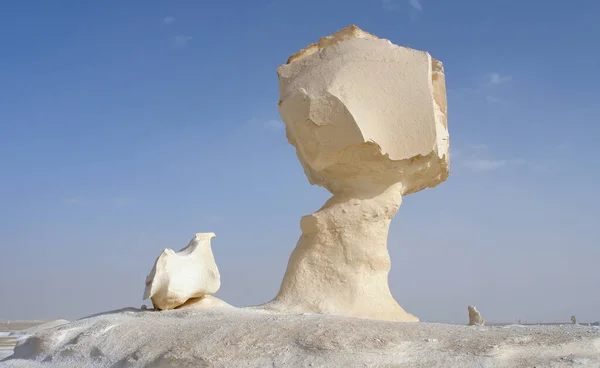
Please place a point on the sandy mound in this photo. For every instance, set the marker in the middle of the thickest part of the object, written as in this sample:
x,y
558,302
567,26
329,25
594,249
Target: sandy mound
x,y
11,332
228,337
38,328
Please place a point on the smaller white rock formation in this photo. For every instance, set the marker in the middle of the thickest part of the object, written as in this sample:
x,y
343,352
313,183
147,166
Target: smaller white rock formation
x,y
190,273
475,318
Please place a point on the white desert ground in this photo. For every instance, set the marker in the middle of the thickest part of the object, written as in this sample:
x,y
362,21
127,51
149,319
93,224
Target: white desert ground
x,y
232,337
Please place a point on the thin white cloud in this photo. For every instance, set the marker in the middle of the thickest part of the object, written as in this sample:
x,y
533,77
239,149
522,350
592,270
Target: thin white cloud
x,y
540,166
486,90
544,167
495,100
518,161
416,4
484,164
497,78
182,40
73,201
77,201
395,5
479,146
120,201
387,4
212,219
168,20
273,124
269,124
477,158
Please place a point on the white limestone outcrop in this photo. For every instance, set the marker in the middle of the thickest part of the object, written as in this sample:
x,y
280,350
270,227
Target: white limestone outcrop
x,y
475,318
180,276
368,120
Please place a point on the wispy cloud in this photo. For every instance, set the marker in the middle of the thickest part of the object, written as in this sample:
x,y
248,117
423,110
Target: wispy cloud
x,y
78,201
540,166
168,20
485,90
182,40
120,201
484,164
212,219
494,99
392,4
478,147
416,4
266,124
497,78
387,4
477,158
74,201
273,124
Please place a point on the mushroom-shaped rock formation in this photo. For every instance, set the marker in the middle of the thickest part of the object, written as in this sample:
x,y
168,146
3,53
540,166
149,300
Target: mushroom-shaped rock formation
x,y
368,121
190,273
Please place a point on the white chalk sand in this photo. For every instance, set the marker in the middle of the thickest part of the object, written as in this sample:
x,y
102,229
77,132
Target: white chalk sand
x,y
229,337
11,332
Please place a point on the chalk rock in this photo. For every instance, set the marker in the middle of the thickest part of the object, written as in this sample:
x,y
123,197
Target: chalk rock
x,y
190,273
368,121
351,91
207,301
475,318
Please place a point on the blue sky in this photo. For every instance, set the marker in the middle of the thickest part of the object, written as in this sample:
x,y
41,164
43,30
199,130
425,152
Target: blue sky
x,y
126,127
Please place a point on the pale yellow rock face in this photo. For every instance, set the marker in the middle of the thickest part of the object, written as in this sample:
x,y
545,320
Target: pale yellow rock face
x,y
368,120
190,273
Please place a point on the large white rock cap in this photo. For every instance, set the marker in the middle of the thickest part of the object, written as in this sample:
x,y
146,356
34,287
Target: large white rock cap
x,y
352,89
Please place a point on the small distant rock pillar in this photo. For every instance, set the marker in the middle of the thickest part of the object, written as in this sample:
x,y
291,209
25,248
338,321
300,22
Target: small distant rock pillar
x,y
475,318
